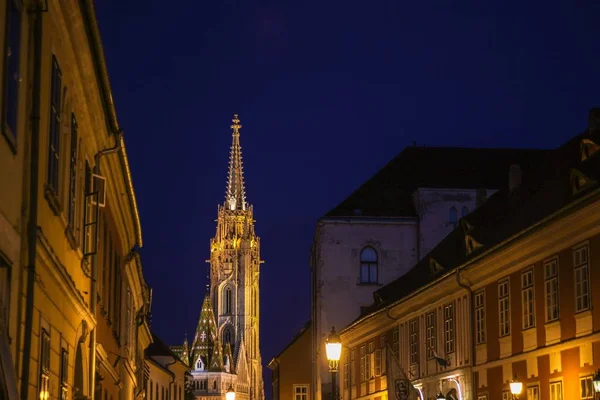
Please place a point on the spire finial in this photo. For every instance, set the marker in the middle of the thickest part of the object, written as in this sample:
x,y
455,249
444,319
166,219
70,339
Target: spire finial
x,y
235,196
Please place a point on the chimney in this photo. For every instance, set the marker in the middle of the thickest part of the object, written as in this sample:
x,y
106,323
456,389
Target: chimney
x,y
514,177
594,122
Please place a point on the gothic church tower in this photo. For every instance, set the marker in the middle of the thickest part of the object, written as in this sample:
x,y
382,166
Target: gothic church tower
x,y
234,273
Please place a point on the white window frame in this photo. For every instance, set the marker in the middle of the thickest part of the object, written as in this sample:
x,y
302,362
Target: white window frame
x,y
504,307
299,394
559,395
528,298
551,289
430,338
533,392
353,367
480,316
449,328
413,334
363,371
586,390
369,361
581,270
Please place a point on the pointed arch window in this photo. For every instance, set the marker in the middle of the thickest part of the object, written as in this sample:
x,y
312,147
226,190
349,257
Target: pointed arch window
x,y
368,265
227,336
453,216
228,301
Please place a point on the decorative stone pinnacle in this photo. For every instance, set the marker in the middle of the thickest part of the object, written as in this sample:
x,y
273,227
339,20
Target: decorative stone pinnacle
x,y
236,124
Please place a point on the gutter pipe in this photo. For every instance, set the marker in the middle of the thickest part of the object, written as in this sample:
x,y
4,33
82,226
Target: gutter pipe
x,y
33,201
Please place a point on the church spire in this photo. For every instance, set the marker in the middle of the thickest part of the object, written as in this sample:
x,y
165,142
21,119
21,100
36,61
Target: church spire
x,y
235,196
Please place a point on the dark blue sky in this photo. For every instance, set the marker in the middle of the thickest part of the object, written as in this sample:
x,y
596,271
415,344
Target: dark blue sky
x,y
327,93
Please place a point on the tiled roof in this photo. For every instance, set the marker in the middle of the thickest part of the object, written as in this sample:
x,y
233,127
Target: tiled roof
x,y
389,192
501,217
159,348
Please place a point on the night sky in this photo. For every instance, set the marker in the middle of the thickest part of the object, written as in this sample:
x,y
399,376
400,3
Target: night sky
x,y
327,93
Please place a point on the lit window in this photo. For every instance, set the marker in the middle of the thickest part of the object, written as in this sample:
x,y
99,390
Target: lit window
x,y
533,393
556,391
480,316
396,341
449,328
44,384
55,114
378,362
453,216
413,332
369,361
551,286
582,274
504,308
430,322
527,296
587,387
64,374
12,66
368,265
300,392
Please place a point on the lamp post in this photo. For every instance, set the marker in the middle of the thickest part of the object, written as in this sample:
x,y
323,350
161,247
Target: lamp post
x,y
333,348
596,382
230,394
516,387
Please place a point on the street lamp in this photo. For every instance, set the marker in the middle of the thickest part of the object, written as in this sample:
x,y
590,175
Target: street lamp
x,y
333,348
440,396
230,394
597,382
516,387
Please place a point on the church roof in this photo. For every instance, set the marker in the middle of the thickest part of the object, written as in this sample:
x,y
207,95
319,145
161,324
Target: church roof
x,y
570,173
235,194
389,192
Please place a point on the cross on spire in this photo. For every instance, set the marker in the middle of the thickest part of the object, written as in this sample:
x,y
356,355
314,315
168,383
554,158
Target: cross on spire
x,y
235,195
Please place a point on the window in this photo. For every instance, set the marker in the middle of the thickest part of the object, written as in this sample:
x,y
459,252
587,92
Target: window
x,y
533,393
346,366
449,328
44,384
453,216
369,361
430,332
507,396
551,286
353,367
228,301
300,392
396,341
480,316
582,274
4,294
556,391
504,308
362,363
55,113
64,374
527,296
378,362
73,171
587,388
413,333
368,265
11,64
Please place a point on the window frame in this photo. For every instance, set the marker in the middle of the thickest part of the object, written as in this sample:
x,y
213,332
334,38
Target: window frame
x,y
44,363
12,72
528,298
346,356
362,364
529,388
449,332
558,383
504,315
550,279
413,340
369,265
480,323
353,367
590,393
64,374
396,341
54,128
430,337
577,267
302,395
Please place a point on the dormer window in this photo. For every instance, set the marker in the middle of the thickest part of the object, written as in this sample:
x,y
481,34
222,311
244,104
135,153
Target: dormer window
x,y
368,265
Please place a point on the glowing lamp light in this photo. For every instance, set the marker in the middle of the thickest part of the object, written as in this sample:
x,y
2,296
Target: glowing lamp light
x,y
333,348
597,382
516,387
440,396
230,395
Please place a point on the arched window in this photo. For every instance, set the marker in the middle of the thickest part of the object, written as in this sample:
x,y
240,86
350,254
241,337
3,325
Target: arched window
x,y
453,215
368,265
464,211
228,301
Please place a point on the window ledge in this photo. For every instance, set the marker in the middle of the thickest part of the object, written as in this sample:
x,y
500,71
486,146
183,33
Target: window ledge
x,y
52,199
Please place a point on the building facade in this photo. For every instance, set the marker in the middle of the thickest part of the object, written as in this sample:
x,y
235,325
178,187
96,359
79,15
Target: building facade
x,y
74,303
390,223
225,351
166,372
291,370
505,296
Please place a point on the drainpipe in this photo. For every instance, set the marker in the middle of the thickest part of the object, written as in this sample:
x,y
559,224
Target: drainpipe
x,y
33,201
471,325
94,289
171,393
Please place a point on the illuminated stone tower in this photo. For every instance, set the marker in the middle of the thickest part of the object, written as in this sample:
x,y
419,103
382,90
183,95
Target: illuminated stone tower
x,y
234,274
